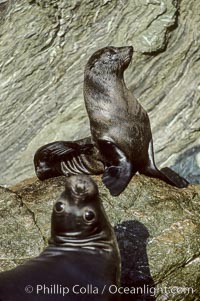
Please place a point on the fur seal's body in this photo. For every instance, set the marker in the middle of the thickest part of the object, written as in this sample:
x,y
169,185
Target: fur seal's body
x,y
119,125
121,142
82,252
79,157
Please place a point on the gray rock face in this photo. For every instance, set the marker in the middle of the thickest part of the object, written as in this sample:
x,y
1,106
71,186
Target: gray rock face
x,y
188,163
44,47
157,226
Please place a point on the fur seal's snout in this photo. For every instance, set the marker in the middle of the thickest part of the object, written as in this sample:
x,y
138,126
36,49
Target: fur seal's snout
x,y
128,49
125,51
126,55
107,61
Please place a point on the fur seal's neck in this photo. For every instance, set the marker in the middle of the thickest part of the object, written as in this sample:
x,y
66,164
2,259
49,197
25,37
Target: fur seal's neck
x,y
104,84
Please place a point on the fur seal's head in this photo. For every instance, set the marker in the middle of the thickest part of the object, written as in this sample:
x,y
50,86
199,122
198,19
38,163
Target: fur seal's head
x,y
78,217
112,60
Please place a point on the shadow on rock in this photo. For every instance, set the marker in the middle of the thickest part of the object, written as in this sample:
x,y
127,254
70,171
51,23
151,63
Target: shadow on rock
x,y
132,239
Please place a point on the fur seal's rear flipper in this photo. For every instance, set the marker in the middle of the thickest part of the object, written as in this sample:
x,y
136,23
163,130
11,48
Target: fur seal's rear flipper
x,y
166,174
118,170
48,158
174,178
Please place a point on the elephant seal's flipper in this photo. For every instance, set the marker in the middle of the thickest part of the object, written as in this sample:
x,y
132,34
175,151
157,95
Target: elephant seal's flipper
x,y
118,170
174,178
48,158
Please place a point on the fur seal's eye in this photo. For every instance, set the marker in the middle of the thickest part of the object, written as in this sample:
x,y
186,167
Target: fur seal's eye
x,y
59,207
89,215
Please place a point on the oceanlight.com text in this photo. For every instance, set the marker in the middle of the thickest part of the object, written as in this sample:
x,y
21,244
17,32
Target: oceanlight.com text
x,y
58,289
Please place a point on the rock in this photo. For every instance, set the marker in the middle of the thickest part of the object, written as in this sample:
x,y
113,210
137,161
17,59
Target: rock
x,y
20,235
42,68
157,226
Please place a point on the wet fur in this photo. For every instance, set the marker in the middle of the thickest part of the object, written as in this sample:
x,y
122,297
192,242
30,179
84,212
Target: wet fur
x,y
120,126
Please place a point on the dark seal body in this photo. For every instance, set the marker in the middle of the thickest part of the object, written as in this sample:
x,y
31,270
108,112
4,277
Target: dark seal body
x,y
82,259
67,157
119,125
121,142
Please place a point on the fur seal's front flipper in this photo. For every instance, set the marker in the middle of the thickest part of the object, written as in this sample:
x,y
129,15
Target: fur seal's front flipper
x,y
48,158
118,170
166,174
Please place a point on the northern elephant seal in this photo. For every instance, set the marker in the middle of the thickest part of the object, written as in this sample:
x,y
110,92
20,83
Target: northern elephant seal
x,y
82,259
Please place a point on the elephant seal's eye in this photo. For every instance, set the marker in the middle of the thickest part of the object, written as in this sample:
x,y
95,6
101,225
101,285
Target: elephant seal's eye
x,y
89,215
59,207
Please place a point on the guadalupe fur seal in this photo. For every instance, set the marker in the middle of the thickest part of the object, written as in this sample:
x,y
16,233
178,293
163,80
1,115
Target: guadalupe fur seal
x,y
82,259
120,126
121,142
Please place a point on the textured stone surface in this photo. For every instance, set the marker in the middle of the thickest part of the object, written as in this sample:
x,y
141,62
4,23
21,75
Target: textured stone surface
x,y
44,46
20,236
158,230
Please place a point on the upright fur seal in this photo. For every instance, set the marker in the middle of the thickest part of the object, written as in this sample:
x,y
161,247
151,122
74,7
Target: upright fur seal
x,y
82,259
121,142
119,125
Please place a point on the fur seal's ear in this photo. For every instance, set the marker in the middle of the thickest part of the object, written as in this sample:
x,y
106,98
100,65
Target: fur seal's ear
x,y
118,170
